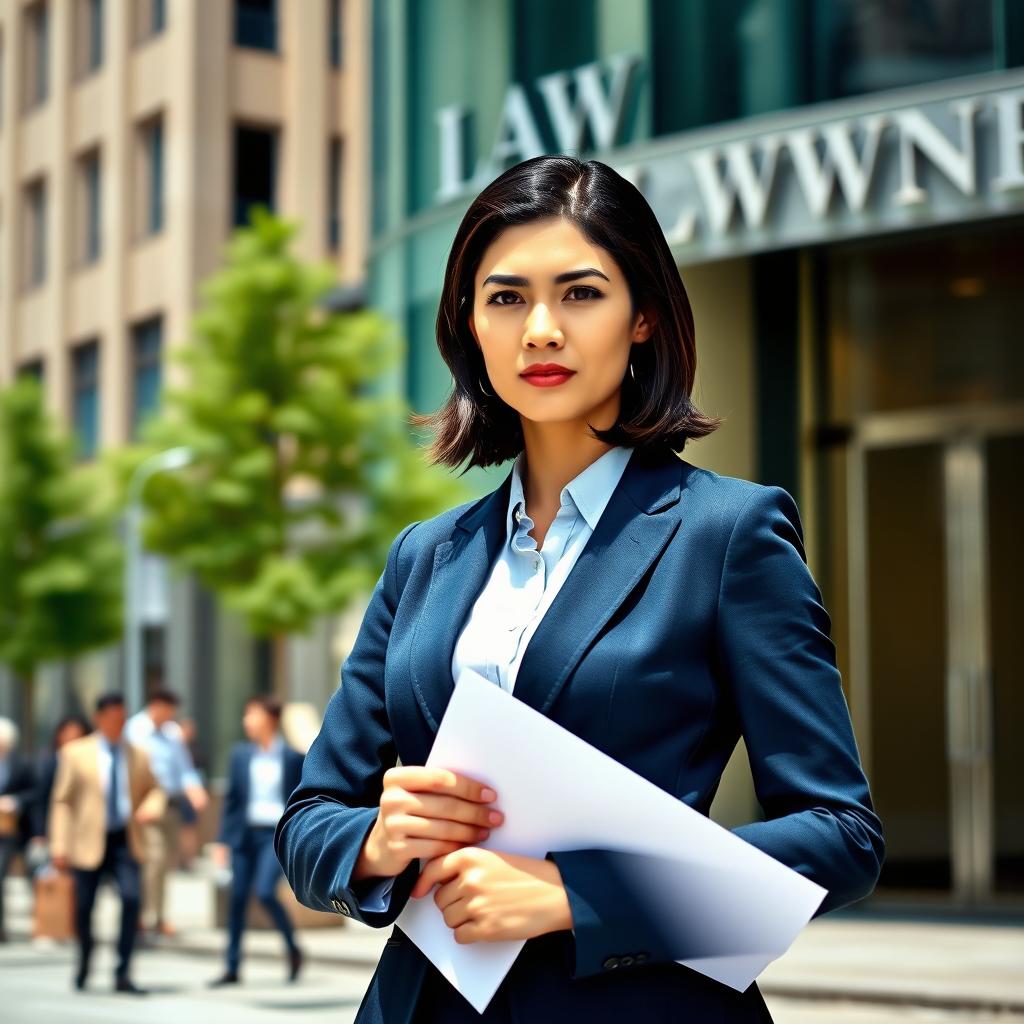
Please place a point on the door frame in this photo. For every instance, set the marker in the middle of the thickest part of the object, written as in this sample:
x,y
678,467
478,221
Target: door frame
x,y
962,431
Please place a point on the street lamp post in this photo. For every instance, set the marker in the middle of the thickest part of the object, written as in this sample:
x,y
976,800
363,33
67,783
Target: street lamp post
x,y
172,458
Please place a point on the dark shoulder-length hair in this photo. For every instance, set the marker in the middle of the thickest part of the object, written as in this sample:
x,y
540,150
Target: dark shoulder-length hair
x,y
656,415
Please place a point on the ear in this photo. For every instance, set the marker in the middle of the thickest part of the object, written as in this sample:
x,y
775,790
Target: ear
x,y
643,328
472,328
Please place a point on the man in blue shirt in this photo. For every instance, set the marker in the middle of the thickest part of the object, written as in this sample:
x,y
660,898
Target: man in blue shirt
x,y
155,730
262,774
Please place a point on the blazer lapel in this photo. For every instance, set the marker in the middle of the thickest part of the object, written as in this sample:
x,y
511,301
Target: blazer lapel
x,y
631,534
461,567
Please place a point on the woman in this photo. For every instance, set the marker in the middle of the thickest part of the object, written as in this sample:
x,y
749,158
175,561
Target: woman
x,y
689,618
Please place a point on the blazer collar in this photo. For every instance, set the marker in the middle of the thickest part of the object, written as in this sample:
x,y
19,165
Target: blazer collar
x,y
636,525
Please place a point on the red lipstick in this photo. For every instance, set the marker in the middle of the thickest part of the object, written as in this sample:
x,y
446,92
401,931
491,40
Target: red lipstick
x,y
546,375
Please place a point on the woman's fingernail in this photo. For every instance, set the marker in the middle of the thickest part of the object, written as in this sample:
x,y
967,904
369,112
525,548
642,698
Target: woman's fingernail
x,y
494,817
483,833
487,794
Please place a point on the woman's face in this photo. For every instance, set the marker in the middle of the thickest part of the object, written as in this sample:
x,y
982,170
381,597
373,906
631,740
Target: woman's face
x,y
543,294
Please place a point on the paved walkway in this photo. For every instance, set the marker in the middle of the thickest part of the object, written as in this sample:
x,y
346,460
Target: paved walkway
x,y
859,961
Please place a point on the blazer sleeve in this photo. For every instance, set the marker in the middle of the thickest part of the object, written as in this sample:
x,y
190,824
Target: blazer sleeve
x,y
232,810
327,818
60,807
776,661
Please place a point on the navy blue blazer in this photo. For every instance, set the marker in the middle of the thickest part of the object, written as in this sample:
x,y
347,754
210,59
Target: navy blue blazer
x,y
690,619
236,799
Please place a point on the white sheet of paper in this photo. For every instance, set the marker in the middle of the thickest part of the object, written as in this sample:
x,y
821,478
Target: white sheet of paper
x,y
742,908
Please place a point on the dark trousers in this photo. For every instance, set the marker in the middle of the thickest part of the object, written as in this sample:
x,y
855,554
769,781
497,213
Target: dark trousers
x,y
255,868
122,867
9,846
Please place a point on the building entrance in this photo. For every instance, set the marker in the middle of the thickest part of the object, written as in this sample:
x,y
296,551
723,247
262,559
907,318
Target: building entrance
x,y
926,376
936,616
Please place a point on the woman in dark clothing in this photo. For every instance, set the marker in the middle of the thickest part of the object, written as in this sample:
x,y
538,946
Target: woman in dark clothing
x,y
656,609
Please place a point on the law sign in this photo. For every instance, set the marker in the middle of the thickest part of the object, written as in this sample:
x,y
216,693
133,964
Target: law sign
x,y
889,161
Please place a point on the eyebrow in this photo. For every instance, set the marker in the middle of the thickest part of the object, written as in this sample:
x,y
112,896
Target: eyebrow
x,y
523,282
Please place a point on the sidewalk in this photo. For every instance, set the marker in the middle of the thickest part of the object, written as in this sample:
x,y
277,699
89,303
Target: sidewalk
x,y
853,957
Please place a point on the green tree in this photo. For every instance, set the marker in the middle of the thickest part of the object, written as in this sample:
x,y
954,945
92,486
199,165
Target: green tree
x,y
303,465
60,561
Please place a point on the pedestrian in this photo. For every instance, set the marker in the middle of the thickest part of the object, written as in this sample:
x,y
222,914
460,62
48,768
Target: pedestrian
x,y
189,843
155,730
17,786
70,727
658,610
263,771
103,793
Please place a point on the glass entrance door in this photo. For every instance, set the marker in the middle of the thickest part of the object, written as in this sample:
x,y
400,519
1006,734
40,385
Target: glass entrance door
x,y
936,612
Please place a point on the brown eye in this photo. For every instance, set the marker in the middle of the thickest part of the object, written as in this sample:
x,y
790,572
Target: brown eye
x,y
589,293
493,299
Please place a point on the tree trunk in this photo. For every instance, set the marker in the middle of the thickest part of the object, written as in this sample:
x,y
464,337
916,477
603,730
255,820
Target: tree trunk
x,y
280,662
28,711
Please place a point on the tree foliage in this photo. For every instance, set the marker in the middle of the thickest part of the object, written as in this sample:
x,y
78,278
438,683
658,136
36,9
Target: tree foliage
x,y
60,560
303,466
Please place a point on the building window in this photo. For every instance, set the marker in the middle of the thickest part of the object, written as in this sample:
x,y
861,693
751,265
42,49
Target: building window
x,y
90,188
334,34
334,194
150,19
35,233
256,24
151,175
37,54
147,341
85,406
33,368
255,156
87,39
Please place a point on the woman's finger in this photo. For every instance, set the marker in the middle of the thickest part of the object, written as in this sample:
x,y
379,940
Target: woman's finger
x,y
456,913
436,828
439,870
418,778
432,805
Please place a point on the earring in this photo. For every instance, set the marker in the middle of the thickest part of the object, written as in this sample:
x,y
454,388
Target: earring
x,y
631,373
483,389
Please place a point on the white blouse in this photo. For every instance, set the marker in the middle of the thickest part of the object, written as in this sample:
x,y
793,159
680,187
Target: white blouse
x,y
523,582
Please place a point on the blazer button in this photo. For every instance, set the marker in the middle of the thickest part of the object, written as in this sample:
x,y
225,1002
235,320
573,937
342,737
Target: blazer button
x,y
626,961
611,963
341,906
641,957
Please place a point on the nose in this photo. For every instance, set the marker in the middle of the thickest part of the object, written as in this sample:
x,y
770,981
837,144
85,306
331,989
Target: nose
x,y
541,328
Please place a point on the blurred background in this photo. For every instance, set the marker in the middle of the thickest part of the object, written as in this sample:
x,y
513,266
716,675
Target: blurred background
x,y
223,230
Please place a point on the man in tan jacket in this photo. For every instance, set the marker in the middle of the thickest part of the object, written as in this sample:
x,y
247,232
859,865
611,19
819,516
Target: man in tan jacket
x,y
103,793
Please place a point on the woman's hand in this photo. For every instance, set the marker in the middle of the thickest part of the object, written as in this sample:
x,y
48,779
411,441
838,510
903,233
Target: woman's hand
x,y
486,895
425,812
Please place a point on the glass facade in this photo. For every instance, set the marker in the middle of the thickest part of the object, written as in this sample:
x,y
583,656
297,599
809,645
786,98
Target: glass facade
x,y
863,345
470,79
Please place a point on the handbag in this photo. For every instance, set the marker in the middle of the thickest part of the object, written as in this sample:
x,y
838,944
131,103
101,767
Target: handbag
x,y
53,915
